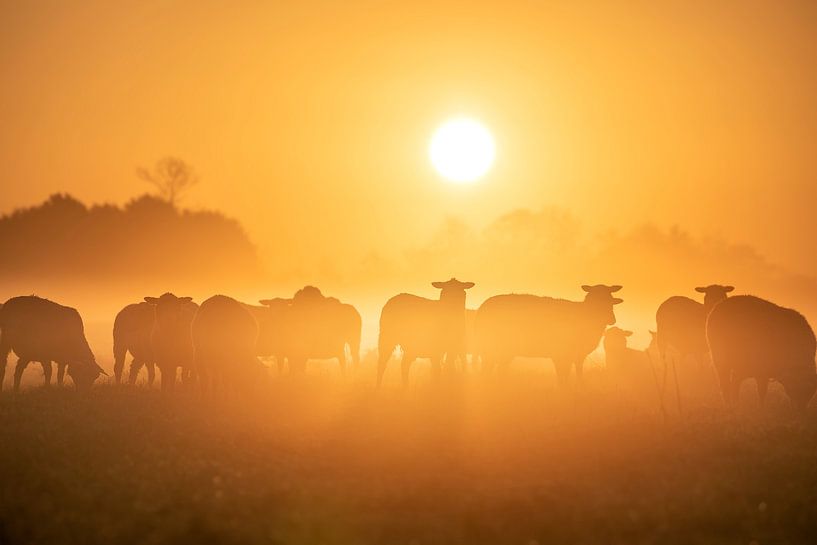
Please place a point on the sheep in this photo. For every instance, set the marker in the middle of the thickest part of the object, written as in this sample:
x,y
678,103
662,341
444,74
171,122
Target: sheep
x,y
423,328
320,327
271,318
132,329
514,325
682,322
224,335
170,340
41,330
681,325
750,337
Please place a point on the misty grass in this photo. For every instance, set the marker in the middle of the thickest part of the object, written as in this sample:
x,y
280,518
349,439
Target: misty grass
x,y
315,461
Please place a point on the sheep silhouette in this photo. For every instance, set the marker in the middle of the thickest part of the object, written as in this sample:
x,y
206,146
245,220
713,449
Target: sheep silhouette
x,y
40,330
750,337
320,327
681,325
681,322
273,329
423,328
170,340
224,337
518,325
132,329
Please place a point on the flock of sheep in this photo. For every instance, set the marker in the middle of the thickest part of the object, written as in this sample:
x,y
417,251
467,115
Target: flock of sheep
x,y
218,343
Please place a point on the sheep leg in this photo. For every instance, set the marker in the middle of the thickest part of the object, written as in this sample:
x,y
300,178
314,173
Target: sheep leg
x,y
562,371
382,360
677,386
4,357
18,372
405,367
342,362
119,354
47,371
61,373
168,377
151,367
762,389
133,372
579,370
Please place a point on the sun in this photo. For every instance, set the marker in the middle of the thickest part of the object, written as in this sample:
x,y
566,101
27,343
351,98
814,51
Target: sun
x,y
462,150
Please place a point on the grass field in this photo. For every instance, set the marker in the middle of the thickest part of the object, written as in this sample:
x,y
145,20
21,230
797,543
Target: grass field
x,y
315,461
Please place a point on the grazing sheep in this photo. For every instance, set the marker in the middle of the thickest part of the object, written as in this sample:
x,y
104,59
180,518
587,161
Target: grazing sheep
x,y
40,330
272,328
753,338
423,328
515,325
224,336
682,322
132,329
170,340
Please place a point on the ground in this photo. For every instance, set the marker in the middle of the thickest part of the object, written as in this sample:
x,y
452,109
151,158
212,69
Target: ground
x,y
472,461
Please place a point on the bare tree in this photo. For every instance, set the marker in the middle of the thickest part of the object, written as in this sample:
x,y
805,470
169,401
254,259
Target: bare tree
x,y
171,176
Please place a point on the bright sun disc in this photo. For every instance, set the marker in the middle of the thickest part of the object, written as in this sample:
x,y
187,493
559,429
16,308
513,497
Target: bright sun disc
x,y
462,150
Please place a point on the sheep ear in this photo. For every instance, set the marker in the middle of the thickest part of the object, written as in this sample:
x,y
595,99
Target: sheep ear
x,y
652,332
627,333
152,300
616,300
467,285
185,299
700,290
438,285
587,288
266,302
615,288
727,289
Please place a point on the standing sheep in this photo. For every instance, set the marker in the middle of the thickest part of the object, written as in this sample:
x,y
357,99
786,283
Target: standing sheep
x,y
170,340
515,325
224,336
423,328
682,322
753,338
37,329
320,328
681,326
309,326
132,329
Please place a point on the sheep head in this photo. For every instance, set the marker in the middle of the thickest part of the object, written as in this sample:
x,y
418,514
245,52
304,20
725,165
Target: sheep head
x,y
601,298
169,308
453,291
714,294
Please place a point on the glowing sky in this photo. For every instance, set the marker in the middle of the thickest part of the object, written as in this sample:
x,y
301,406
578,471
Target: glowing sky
x,y
309,121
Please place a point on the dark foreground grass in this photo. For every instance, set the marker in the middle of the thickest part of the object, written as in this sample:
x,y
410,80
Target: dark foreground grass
x,y
316,462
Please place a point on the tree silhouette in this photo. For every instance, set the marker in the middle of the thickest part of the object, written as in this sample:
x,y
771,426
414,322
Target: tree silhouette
x,y
171,176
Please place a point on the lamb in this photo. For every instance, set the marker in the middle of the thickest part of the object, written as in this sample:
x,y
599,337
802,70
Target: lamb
x,y
170,340
224,335
750,337
41,330
621,359
423,328
515,325
132,330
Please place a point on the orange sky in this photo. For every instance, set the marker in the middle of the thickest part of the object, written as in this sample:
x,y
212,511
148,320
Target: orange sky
x,y
309,121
